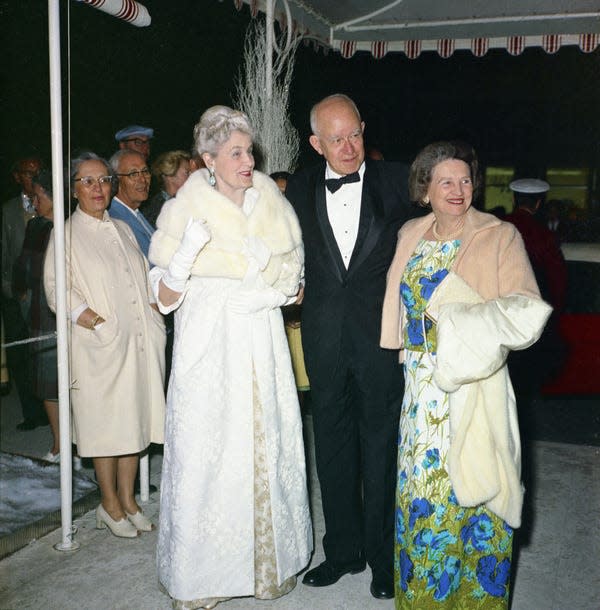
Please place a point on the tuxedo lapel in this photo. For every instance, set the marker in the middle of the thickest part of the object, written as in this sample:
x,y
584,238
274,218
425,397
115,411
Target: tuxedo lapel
x,y
364,225
327,232
370,226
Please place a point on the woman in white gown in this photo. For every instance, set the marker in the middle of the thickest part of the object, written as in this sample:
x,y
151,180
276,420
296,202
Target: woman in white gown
x,y
234,515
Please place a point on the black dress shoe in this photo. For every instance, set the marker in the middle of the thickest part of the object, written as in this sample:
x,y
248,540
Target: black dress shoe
x,y
382,585
328,573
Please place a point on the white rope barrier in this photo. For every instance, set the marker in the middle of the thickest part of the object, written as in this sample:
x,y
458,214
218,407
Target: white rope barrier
x,y
30,340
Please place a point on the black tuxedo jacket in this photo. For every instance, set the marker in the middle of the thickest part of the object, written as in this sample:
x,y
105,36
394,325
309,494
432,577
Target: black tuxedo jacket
x,y
344,305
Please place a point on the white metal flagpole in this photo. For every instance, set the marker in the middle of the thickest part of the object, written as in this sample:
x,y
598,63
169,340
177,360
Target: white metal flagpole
x,y
64,406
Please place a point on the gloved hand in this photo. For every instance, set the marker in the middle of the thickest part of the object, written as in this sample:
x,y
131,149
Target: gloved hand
x,y
247,301
256,249
195,236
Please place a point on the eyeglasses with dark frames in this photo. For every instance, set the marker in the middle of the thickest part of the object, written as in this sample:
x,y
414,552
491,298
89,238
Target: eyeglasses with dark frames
x,y
136,173
88,181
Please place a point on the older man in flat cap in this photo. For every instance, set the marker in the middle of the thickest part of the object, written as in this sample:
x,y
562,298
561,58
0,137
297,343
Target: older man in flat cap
x,y
135,137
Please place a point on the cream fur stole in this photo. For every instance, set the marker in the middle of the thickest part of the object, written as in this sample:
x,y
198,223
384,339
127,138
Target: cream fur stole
x,y
484,459
273,220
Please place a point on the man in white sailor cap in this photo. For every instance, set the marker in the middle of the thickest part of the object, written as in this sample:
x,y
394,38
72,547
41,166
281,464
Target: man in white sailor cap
x,y
529,194
531,367
135,137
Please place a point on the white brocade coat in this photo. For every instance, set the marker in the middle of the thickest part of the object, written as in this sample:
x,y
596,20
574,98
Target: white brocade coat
x,y
206,538
118,369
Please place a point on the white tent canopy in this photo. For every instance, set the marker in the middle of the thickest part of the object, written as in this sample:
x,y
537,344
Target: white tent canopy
x,y
413,26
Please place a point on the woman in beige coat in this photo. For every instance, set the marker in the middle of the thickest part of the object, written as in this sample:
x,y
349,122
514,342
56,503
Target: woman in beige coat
x,y
460,293
117,345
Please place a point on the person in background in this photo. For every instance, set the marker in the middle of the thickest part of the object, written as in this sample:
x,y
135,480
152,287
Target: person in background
x,y
117,345
28,278
350,211
553,213
234,514
135,137
281,180
133,186
196,161
373,153
532,367
171,169
460,294
541,243
16,213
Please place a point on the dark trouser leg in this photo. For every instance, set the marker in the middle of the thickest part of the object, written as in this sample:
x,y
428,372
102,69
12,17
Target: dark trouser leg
x,y
381,388
17,359
355,417
338,466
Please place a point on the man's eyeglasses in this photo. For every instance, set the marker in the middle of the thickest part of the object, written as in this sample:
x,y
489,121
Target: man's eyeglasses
x,y
137,141
137,173
89,182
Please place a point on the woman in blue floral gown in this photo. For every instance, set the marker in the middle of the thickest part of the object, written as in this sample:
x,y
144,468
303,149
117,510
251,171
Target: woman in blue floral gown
x,y
446,555
441,548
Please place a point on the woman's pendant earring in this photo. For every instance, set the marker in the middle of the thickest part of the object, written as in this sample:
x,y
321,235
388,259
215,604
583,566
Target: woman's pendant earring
x,y
211,177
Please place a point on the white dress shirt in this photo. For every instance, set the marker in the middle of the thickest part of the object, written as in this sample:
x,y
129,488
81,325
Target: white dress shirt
x,y
343,211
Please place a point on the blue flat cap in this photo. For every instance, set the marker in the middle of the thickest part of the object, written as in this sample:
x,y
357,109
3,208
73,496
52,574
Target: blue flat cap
x,y
529,186
134,130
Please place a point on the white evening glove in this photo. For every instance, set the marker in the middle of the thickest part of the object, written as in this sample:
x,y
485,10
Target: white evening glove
x,y
256,249
253,300
258,255
195,237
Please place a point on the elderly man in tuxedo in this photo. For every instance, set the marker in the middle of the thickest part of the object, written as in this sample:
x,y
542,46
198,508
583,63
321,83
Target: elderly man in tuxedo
x,y
350,211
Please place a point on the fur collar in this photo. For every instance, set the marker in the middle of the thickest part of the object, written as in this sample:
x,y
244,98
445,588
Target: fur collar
x,y
272,219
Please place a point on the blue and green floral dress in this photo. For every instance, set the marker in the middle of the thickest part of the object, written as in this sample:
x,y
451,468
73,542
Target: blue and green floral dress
x,y
446,556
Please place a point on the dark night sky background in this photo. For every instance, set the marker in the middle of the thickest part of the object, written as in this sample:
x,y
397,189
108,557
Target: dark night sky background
x,y
532,111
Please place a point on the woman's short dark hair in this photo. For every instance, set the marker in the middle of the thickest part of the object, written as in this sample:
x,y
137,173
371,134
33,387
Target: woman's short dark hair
x,y
422,167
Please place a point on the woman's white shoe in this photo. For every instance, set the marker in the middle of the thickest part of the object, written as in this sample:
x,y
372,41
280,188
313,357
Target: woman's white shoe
x,y
53,458
141,521
122,528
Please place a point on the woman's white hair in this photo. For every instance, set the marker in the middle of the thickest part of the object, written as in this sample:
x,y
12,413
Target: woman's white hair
x,y
215,127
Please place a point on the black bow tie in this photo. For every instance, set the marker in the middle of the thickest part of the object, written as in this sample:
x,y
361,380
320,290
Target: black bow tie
x,y
333,184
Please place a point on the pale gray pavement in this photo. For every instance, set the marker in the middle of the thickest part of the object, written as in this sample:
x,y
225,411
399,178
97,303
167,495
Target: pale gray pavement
x,y
559,569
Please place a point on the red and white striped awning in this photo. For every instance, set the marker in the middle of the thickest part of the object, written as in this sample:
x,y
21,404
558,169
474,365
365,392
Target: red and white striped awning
x,y
128,10
416,26
445,47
